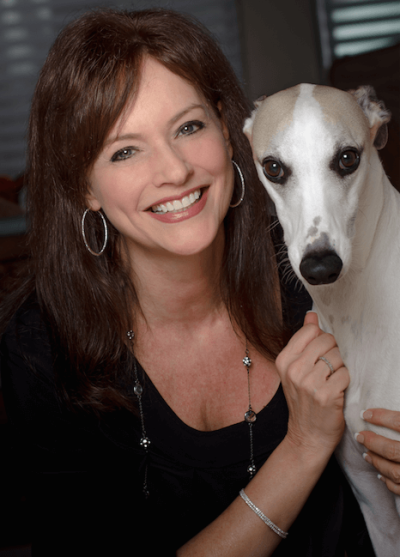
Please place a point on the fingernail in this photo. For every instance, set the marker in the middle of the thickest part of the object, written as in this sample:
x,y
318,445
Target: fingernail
x,y
359,437
367,457
380,477
366,414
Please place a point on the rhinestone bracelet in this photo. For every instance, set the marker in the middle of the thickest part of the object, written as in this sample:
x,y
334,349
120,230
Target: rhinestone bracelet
x,y
264,518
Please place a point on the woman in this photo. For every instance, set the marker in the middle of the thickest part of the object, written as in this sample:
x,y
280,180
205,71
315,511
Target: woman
x,y
150,245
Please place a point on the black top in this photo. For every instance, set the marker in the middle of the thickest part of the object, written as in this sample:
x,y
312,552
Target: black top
x,y
87,474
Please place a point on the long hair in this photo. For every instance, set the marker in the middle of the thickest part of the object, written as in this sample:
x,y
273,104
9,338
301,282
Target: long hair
x,y
91,73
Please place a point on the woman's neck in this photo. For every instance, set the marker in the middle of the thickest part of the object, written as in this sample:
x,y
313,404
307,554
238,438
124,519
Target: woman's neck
x,y
178,290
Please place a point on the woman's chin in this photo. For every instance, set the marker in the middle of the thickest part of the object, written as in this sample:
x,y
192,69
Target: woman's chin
x,y
198,243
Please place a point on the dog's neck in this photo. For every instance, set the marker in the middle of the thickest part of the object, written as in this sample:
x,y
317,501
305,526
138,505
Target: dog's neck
x,y
369,214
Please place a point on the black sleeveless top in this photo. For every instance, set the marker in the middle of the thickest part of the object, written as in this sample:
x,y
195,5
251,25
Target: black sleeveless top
x,y
86,475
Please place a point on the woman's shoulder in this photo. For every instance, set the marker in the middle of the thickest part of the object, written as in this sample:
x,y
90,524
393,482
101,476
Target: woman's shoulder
x,y
25,344
27,325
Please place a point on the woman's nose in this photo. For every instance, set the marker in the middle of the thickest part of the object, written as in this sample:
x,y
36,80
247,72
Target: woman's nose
x,y
170,167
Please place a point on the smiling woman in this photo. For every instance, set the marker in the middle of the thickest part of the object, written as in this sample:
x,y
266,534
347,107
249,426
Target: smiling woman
x,y
143,360
173,146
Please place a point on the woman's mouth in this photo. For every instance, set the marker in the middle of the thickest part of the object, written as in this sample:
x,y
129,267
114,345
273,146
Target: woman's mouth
x,y
178,205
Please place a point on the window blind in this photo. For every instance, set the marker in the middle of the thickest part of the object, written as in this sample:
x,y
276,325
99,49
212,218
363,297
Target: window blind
x,y
351,27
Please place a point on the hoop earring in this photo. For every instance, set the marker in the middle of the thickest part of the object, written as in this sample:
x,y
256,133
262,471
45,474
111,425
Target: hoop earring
x,y
243,185
105,233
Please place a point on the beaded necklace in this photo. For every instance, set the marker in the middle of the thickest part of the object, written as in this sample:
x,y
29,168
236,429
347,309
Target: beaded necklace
x,y
250,416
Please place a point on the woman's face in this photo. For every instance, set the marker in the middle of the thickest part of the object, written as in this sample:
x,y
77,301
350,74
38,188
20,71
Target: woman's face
x,y
164,177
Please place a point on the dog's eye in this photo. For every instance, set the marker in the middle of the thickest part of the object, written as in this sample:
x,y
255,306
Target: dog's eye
x,y
273,170
348,162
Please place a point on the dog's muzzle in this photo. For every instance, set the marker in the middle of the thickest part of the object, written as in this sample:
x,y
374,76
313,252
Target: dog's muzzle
x,y
322,267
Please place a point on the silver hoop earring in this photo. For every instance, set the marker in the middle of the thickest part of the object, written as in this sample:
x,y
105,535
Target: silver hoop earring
x,y
243,185
105,233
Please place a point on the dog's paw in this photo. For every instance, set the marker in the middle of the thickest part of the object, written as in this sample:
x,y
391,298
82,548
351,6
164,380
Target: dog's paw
x,y
376,112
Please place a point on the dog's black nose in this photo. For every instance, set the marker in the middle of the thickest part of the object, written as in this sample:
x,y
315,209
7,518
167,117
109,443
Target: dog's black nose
x,y
321,268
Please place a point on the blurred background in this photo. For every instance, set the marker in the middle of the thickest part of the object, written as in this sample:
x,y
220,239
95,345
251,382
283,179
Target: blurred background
x,y
272,45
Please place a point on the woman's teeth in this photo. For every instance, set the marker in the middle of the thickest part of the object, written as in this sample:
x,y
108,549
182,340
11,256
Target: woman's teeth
x,y
178,204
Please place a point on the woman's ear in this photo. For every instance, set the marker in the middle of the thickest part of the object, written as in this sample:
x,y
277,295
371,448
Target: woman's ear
x,y
92,202
225,130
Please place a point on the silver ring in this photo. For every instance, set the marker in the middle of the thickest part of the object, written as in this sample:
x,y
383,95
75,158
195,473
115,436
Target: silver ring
x,y
328,363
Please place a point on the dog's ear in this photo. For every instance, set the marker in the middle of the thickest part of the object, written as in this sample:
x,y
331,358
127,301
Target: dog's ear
x,y
259,100
248,124
248,127
376,112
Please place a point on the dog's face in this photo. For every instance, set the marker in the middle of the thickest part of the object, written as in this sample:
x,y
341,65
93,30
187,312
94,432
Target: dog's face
x,y
311,146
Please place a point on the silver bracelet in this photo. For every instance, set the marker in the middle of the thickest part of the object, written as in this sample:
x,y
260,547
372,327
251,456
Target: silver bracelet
x,y
264,518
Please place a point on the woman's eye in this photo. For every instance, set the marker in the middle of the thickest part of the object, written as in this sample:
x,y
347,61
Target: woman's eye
x,y
190,127
123,154
348,162
273,170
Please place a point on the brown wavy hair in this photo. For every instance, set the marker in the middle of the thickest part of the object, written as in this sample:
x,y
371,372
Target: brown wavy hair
x,y
92,71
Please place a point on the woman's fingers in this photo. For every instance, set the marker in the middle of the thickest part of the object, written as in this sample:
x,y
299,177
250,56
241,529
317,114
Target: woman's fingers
x,y
300,365
383,453
339,381
300,340
305,347
392,486
296,366
330,360
389,471
381,446
311,318
385,418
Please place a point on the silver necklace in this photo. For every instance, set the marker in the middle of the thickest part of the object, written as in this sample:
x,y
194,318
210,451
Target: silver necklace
x,y
250,416
138,390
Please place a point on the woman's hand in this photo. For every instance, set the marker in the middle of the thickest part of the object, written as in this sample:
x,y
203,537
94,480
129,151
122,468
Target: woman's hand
x,y
315,397
383,453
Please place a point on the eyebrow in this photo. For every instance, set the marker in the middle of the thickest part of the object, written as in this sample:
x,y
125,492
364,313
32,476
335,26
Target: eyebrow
x,y
173,120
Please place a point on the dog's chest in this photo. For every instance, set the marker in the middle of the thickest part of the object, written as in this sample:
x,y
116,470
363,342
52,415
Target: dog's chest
x,y
365,321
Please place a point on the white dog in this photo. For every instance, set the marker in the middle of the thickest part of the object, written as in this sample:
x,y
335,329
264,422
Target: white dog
x,y
315,149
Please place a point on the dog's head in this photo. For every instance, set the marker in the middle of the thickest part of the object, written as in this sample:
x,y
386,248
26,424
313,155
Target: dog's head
x,y
312,147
